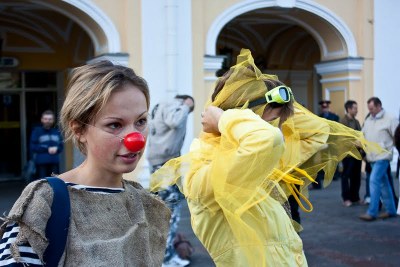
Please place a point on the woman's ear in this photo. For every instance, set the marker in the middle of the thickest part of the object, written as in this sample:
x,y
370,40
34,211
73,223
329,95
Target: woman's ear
x,y
78,131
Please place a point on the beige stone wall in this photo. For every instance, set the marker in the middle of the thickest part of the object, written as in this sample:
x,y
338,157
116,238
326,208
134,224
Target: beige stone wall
x,y
126,16
356,14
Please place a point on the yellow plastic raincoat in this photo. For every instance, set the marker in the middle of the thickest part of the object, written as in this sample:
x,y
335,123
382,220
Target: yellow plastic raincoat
x,y
245,155
237,183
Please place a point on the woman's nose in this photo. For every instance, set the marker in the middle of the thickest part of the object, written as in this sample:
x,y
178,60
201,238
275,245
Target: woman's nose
x,y
134,141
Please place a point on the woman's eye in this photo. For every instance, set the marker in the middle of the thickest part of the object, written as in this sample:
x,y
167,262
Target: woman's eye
x,y
142,123
114,126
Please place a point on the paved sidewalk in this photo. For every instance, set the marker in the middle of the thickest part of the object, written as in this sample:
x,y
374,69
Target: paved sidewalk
x,y
333,236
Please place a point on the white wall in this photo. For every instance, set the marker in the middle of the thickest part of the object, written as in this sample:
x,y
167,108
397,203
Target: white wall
x,y
387,56
167,53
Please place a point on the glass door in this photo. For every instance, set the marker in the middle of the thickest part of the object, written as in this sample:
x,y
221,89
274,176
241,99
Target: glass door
x,y
10,135
23,98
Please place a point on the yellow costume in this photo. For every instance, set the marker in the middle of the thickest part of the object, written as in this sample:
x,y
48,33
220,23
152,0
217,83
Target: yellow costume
x,y
236,183
245,140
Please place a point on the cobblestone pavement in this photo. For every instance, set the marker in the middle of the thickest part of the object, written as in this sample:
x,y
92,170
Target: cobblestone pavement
x,y
333,236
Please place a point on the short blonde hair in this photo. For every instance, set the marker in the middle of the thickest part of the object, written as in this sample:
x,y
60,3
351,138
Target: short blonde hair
x,y
89,89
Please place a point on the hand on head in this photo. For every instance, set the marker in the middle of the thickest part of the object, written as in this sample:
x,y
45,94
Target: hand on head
x,y
189,102
210,118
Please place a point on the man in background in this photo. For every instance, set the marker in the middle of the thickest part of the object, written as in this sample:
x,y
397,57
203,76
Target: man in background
x,y
46,144
326,114
325,111
351,175
166,135
380,128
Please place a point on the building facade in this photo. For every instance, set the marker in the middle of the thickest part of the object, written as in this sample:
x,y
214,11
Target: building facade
x,y
335,50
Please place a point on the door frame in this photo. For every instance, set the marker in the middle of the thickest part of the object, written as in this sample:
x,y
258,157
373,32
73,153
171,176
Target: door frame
x,y
21,91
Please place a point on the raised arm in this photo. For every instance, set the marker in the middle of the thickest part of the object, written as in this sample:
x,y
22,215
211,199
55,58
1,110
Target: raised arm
x,y
249,149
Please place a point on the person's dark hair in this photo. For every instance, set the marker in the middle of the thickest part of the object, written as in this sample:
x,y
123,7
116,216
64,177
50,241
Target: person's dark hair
x,y
47,112
220,84
377,102
287,108
184,97
349,104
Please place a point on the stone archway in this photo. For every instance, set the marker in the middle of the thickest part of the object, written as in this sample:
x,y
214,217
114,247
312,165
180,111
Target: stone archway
x,y
96,23
344,38
335,40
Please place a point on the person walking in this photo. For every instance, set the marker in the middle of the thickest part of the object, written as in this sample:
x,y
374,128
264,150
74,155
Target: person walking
x,y
351,174
165,141
46,144
379,127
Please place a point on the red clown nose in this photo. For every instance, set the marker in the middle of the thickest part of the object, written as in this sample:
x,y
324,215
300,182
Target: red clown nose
x,y
134,141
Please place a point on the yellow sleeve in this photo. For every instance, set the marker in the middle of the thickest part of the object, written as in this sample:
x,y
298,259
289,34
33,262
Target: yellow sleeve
x,y
249,149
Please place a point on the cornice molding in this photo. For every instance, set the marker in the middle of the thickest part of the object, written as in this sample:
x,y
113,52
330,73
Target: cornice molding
x,y
340,66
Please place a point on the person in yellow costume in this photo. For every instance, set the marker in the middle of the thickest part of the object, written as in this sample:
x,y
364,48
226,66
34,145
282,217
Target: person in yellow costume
x,y
239,172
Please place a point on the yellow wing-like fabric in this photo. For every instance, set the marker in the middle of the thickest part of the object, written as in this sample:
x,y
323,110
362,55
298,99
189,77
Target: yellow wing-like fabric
x,y
236,183
234,195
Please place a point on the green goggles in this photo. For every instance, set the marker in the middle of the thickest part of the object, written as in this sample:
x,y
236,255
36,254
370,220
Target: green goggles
x,y
280,94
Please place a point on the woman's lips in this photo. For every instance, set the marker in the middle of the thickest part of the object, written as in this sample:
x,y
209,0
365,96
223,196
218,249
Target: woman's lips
x,y
130,157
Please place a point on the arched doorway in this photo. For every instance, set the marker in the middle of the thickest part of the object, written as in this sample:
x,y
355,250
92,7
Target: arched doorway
x,y
40,42
306,45
278,46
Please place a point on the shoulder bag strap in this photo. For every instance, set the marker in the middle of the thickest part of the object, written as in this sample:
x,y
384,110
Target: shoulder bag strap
x,y
58,223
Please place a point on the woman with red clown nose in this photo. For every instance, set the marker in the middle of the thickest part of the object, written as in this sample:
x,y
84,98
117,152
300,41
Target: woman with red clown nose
x,y
109,221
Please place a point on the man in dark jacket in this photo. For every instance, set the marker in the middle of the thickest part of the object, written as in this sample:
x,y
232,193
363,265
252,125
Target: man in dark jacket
x,y
46,144
326,114
351,175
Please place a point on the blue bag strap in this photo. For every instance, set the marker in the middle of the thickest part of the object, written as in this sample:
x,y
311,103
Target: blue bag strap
x,y
58,223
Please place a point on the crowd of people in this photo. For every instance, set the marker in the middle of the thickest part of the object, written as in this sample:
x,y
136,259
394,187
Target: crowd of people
x,y
378,127
244,178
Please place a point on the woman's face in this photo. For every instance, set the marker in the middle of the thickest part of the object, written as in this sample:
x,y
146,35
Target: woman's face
x,y
125,112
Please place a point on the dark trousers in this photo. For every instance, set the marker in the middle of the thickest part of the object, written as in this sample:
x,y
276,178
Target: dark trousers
x,y
294,209
321,176
172,198
319,180
390,176
351,179
45,170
